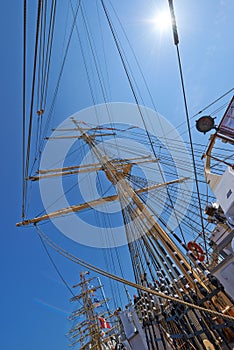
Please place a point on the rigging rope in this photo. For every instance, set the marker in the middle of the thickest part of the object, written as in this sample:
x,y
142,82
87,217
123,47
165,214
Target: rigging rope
x,y
83,57
135,57
59,77
176,42
24,107
137,102
55,266
209,105
32,94
43,72
48,54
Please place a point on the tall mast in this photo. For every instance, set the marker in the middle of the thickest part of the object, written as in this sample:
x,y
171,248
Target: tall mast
x,y
155,238
124,190
158,262
90,328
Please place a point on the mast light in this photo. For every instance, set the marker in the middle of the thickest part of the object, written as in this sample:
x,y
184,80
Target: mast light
x,y
205,124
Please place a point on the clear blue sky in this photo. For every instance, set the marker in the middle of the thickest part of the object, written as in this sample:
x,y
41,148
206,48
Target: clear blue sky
x,y
34,301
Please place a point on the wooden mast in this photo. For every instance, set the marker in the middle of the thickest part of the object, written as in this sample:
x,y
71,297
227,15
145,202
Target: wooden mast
x,y
122,186
117,173
117,177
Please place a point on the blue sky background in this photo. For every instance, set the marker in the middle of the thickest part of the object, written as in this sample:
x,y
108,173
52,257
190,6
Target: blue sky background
x,y
34,302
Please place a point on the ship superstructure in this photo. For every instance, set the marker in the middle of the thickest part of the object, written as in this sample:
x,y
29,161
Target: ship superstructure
x,y
219,174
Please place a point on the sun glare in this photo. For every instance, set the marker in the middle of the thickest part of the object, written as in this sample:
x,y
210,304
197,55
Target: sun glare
x,y
162,20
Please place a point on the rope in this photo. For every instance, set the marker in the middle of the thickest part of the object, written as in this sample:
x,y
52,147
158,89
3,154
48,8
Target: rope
x,y
59,78
48,52
55,266
140,112
176,42
32,94
43,73
209,105
24,108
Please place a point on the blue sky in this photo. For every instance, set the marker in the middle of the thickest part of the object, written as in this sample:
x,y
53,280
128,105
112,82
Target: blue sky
x,y
34,300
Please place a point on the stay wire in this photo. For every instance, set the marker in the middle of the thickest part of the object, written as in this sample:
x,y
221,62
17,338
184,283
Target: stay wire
x,y
209,105
192,150
43,78
136,100
32,94
59,78
211,113
49,50
108,223
43,63
219,108
104,51
40,54
96,64
39,75
39,72
84,61
24,106
135,57
43,39
176,42
55,266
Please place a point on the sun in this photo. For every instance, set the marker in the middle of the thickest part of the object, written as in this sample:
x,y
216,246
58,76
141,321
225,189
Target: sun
x,y
162,20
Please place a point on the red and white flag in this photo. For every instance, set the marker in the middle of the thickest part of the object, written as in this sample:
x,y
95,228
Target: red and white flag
x,y
104,323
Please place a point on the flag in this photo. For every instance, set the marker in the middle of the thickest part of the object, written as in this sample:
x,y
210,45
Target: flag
x,y
104,323
96,302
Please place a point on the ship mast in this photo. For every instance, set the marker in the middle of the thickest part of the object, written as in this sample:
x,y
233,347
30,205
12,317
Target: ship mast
x,y
90,328
126,192
157,262
156,238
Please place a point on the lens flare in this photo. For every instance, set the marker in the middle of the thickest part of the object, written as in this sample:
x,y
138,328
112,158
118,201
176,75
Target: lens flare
x,y
162,20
